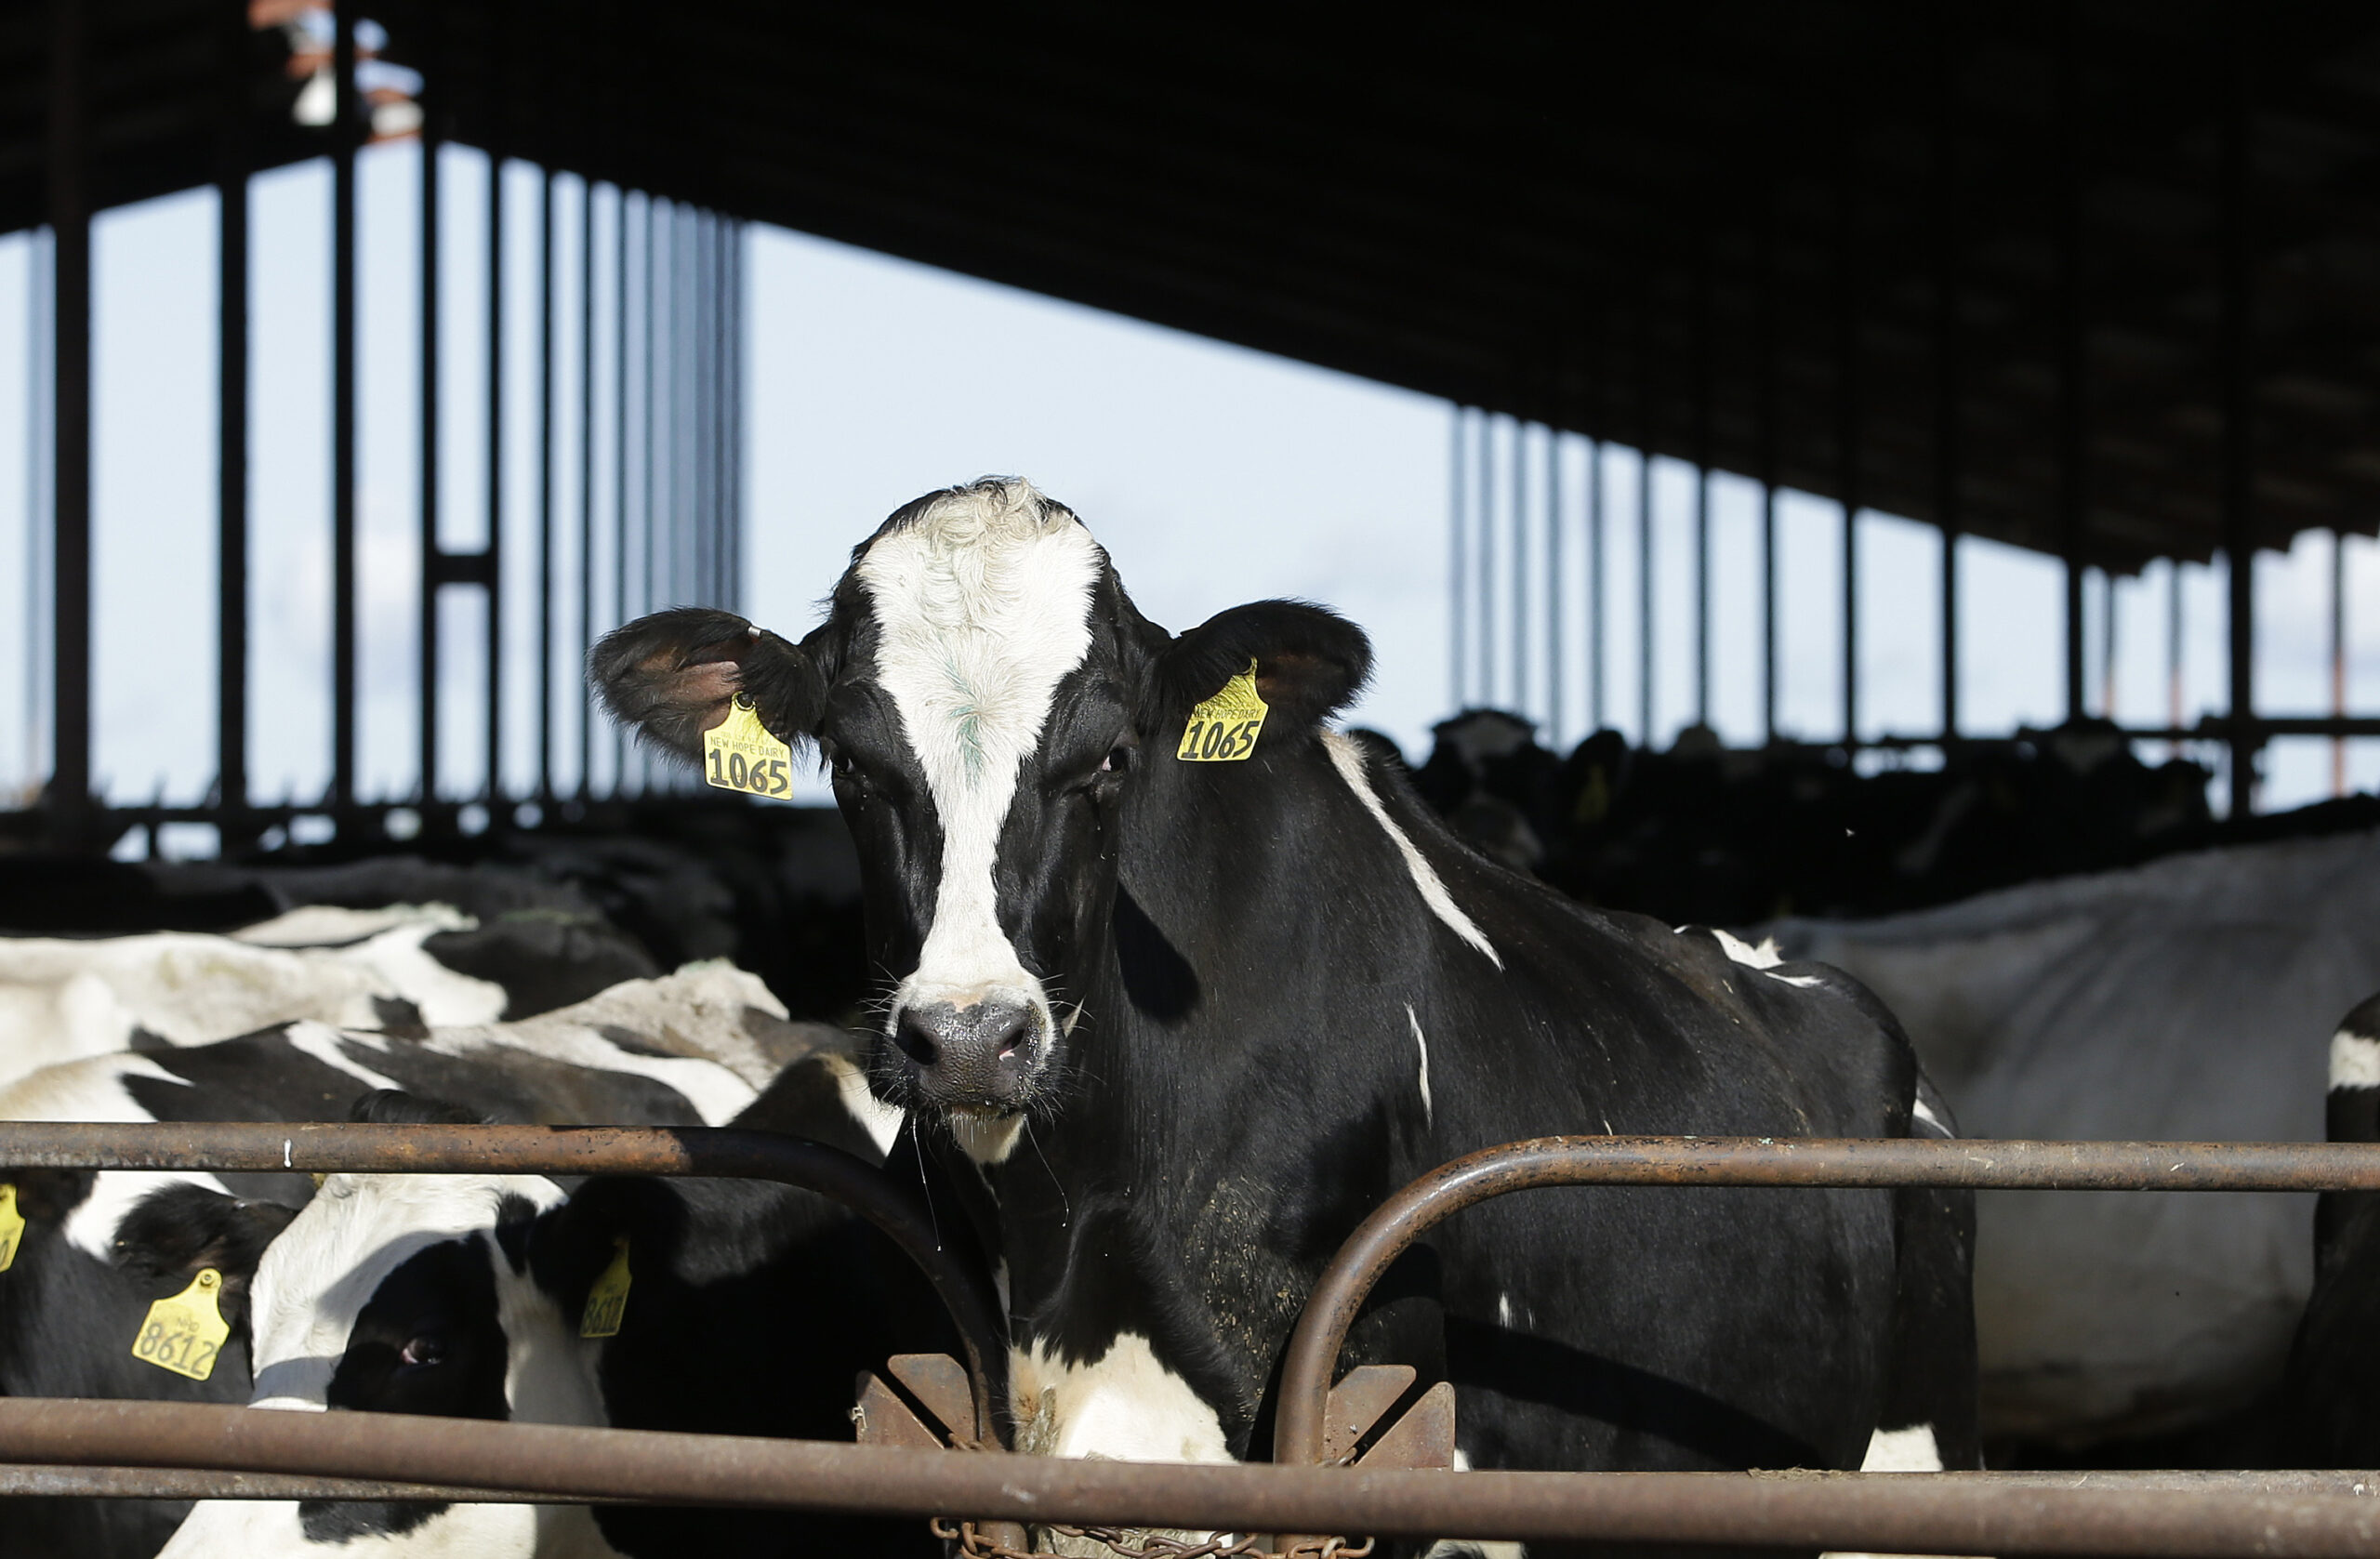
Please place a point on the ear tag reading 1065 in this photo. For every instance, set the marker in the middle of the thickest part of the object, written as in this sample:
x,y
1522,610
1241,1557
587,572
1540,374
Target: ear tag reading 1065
x,y
739,754
608,1301
1223,729
12,1227
184,1333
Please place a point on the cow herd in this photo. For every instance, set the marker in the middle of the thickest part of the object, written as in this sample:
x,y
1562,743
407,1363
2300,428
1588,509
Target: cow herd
x,y
1157,1021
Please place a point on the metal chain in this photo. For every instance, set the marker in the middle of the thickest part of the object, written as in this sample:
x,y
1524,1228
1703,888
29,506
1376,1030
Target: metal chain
x,y
1130,1544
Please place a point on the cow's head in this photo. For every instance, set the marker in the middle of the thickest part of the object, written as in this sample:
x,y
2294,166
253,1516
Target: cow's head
x,y
985,695
410,1294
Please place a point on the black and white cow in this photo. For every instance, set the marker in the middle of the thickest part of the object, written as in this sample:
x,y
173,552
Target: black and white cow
x,y
2192,998
400,967
1197,1018
750,1310
100,1247
2331,1399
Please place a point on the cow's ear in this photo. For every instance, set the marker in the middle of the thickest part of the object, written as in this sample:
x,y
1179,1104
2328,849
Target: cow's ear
x,y
176,1232
572,1244
1310,661
672,676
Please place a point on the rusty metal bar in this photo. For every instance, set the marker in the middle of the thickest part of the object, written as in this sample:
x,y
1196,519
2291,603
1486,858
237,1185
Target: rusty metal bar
x,y
207,1483
1803,1161
716,1152
1937,1513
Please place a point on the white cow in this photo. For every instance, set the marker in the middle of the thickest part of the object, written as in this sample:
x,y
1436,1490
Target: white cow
x,y
2193,997
63,999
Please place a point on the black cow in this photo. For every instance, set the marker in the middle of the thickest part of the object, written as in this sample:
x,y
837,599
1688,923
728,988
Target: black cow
x,y
1197,1018
2331,1396
100,1247
750,1309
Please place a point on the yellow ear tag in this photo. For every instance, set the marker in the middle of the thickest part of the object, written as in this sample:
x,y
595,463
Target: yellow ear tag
x,y
739,754
608,1301
1222,730
12,1227
184,1333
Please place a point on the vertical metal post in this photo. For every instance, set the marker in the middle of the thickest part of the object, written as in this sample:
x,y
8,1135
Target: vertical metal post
x,y
231,433
494,733
70,222
1553,634
734,427
1702,440
653,300
1766,433
2173,651
1947,342
586,471
2071,448
544,659
1485,470
430,397
2238,432
1520,566
1644,525
1847,420
2107,644
343,603
619,453
1597,572
2338,659
1457,584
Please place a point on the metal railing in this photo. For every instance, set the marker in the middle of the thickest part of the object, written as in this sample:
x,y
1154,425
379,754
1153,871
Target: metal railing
x,y
173,1450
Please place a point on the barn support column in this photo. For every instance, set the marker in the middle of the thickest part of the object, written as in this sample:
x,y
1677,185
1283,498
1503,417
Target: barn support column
x,y
70,225
2238,433
1765,455
1846,429
1553,635
232,434
2338,659
543,662
1946,354
1520,567
1645,527
1457,584
2072,474
426,354
491,577
344,122
1597,572
587,626
1483,471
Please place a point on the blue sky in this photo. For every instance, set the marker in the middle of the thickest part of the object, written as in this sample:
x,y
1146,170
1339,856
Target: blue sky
x,y
1213,475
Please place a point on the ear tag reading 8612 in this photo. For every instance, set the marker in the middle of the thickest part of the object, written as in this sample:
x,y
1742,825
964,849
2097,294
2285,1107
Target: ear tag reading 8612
x,y
1223,729
184,1333
607,1301
739,754
12,1227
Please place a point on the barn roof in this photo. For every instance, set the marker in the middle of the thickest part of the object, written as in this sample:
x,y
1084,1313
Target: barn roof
x,y
1766,237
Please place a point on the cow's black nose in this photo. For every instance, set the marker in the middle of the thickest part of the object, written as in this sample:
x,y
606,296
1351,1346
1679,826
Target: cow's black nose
x,y
976,1055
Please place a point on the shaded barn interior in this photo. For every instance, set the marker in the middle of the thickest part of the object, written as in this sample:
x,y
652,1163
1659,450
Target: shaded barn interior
x,y
2091,278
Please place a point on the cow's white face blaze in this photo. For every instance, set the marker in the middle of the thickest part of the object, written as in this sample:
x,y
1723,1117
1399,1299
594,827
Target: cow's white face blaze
x,y
981,607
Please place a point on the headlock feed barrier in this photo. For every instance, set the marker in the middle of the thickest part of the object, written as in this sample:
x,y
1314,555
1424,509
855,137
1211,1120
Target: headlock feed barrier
x,y
157,1449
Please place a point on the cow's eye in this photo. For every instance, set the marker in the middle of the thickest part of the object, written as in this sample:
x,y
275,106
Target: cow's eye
x,y
421,1352
1118,760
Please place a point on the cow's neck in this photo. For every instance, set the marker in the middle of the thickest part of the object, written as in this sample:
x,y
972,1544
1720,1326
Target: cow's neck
x,y
1145,1227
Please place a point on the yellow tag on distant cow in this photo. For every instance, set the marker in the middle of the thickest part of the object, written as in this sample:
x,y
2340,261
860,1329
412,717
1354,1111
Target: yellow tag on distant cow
x,y
1222,730
739,754
184,1333
608,1301
12,1227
